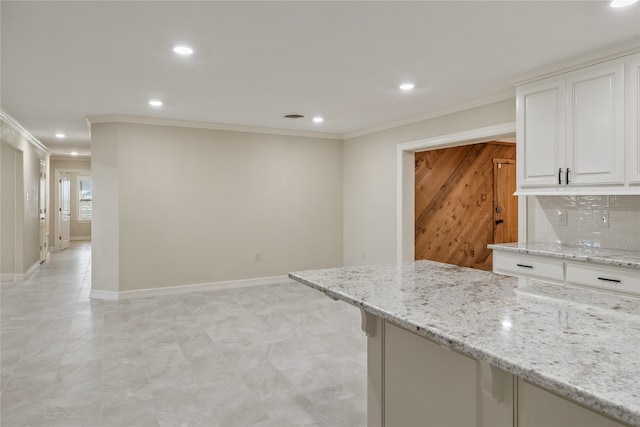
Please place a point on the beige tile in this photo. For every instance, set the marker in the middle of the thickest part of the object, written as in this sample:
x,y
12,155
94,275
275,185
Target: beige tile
x,y
26,405
136,413
233,403
238,357
593,200
123,394
625,201
633,244
633,216
71,414
265,380
129,368
175,402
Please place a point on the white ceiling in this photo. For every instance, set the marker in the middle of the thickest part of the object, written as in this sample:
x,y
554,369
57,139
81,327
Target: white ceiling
x,y
257,61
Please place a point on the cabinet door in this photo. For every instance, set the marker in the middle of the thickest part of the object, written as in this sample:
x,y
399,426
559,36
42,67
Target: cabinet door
x,y
540,128
539,408
425,383
595,125
528,266
632,125
428,385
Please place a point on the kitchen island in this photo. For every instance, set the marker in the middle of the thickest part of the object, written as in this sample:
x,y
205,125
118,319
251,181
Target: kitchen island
x,y
455,346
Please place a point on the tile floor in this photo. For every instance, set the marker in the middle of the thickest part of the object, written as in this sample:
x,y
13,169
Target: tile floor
x,y
282,355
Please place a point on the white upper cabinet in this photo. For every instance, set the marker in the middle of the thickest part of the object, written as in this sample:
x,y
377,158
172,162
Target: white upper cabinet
x,y
574,131
632,117
595,126
540,133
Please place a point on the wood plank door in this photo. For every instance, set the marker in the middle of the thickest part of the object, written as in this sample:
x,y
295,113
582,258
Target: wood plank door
x,y
454,207
505,204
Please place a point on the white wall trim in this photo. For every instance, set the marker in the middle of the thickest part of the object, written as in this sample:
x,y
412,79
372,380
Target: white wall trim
x,y
578,62
406,180
6,117
69,158
183,289
6,277
18,277
117,118
496,97
79,238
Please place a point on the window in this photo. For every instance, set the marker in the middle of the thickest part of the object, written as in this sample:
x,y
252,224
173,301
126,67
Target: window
x,y
85,193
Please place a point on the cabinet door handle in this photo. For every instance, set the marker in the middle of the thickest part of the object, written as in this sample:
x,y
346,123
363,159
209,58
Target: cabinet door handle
x,y
560,176
567,180
524,265
610,280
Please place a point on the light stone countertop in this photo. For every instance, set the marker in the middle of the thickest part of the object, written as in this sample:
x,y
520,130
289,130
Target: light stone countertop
x,y
613,257
581,344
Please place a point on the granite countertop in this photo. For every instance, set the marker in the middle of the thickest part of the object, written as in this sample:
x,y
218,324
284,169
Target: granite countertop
x,y
613,257
581,344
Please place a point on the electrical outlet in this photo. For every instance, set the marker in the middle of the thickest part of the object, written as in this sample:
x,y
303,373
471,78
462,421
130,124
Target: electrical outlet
x,y
258,257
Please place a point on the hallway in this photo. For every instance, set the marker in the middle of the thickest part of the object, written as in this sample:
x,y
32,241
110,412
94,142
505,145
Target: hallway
x,y
281,355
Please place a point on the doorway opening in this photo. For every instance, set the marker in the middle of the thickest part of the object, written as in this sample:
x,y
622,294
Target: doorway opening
x,y
406,153
464,201
71,206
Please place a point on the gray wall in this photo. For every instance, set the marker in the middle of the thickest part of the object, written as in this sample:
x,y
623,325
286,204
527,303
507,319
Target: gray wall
x,y
7,209
370,178
25,168
176,205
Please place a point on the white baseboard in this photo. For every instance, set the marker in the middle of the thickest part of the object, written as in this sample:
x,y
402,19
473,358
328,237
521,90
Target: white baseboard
x,y
105,295
183,289
17,277
74,238
7,277
32,268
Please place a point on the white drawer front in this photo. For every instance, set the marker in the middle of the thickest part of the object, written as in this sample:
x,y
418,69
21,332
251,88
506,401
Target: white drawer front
x,y
604,277
527,265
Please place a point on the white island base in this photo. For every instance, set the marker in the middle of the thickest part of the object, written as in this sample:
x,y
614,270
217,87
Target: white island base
x,y
413,381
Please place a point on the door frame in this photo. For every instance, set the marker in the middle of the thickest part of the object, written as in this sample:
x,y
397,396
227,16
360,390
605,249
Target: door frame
x,y
56,206
496,162
405,195
43,192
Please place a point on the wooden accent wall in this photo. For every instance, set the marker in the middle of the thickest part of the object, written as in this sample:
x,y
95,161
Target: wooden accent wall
x,y
454,203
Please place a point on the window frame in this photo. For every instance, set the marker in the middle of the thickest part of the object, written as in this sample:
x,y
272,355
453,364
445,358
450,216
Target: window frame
x,y
79,198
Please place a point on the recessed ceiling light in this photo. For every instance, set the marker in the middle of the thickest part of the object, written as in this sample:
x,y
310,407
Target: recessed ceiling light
x,y
183,50
407,86
74,153
60,135
155,103
622,3
318,119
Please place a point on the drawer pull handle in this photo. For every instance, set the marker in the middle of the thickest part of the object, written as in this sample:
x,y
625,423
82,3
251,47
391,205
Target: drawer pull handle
x,y
609,280
524,265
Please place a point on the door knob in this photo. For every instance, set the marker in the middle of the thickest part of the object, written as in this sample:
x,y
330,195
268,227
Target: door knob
x,y
500,221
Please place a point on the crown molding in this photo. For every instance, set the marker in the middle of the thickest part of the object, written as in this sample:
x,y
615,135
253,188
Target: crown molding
x,y
496,97
68,157
118,118
8,119
578,62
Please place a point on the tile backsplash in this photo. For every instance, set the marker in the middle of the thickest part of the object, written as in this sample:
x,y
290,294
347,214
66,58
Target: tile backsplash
x,y
611,222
